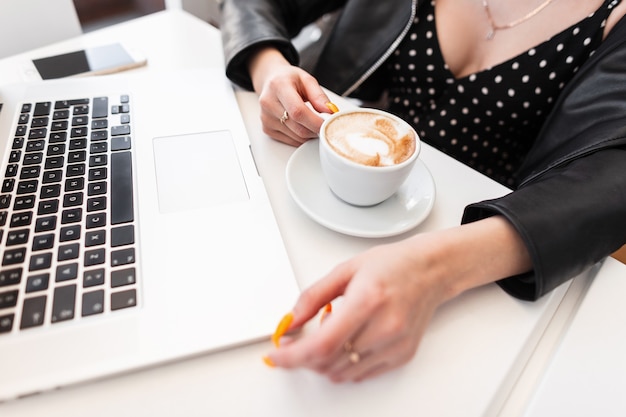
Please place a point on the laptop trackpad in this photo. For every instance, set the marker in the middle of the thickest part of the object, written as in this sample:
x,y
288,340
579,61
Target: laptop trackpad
x,y
197,170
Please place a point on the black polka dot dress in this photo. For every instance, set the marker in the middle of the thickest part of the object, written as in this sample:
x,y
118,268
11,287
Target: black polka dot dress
x,y
487,120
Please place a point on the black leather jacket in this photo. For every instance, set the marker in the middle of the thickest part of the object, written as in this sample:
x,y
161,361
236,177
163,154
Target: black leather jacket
x,y
570,208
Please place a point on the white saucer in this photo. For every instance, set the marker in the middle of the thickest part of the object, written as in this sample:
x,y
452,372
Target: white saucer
x,y
398,214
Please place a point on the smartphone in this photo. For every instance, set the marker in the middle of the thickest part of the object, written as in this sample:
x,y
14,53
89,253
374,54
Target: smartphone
x,y
97,60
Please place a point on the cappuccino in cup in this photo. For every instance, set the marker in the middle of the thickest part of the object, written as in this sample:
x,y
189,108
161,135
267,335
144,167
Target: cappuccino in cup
x,y
371,139
366,154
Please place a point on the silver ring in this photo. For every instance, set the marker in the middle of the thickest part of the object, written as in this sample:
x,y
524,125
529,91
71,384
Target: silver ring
x,y
353,355
284,117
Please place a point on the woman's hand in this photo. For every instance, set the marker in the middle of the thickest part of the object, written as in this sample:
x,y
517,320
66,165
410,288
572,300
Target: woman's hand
x,y
390,294
282,88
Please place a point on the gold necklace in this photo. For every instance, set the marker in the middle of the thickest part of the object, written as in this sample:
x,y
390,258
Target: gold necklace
x,y
494,27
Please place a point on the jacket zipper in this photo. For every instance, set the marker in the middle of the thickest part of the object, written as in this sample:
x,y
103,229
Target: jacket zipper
x,y
387,54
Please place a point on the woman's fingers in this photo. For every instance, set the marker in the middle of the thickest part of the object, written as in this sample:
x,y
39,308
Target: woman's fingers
x,y
289,104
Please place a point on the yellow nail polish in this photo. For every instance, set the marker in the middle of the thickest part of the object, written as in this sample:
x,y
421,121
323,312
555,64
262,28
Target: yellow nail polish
x,y
282,328
328,308
332,107
268,362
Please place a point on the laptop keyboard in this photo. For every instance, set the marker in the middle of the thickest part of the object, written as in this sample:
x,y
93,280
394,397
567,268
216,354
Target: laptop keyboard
x,y
67,221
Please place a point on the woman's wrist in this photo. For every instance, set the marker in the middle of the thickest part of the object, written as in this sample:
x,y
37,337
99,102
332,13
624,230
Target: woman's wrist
x,y
261,63
474,254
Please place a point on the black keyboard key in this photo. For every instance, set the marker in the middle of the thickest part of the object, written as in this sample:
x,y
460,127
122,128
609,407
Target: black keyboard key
x,y
80,121
35,145
96,188
21,219
3,218
17,237
93,278
72,199
43,242
5,201
123,299
48,207
66,272
57,137
34,158
100,107
15,156
95,220
52,176
93,303
97,174
8,185
76,144
10,277
71,215
6,323
95,257
39,133
37,283
98,160
96,204
63,303
123,277
60,115
33,312
55,149
18,143
122,209
68,252
14,256
81,109
98,135
123,257
95,238
76,156
120,130
79,132
59,126
45,224
27,187
11,170
123,235
69,233
75,170
42,109
23,119
8,299
55,162
50,191
24,202
122,143
39,122
74,184
40,261
98,147
99,124
29,172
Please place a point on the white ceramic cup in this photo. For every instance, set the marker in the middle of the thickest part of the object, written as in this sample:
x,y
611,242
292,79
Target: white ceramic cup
x,y
363,154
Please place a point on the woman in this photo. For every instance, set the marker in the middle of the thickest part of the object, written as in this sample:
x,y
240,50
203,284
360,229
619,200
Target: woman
x,y
531,93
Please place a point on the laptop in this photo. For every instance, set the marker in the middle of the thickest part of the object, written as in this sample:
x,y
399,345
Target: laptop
x,y
135,228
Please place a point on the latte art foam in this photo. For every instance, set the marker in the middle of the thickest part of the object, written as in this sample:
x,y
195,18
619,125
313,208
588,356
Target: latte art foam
x,y
370,139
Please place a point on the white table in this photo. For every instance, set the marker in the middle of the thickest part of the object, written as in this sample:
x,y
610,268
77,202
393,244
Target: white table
x,y
470,358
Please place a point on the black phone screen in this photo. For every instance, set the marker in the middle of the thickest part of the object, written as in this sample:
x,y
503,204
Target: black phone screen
x,y
78,62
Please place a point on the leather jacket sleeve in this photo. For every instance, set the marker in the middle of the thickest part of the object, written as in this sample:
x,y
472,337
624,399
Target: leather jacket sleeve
x,y
570,209
273,22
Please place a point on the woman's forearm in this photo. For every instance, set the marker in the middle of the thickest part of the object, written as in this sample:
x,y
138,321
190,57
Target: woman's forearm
x,y
475,254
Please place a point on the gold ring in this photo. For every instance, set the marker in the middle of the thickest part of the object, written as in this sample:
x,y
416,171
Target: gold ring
x,y
353,355
284,117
